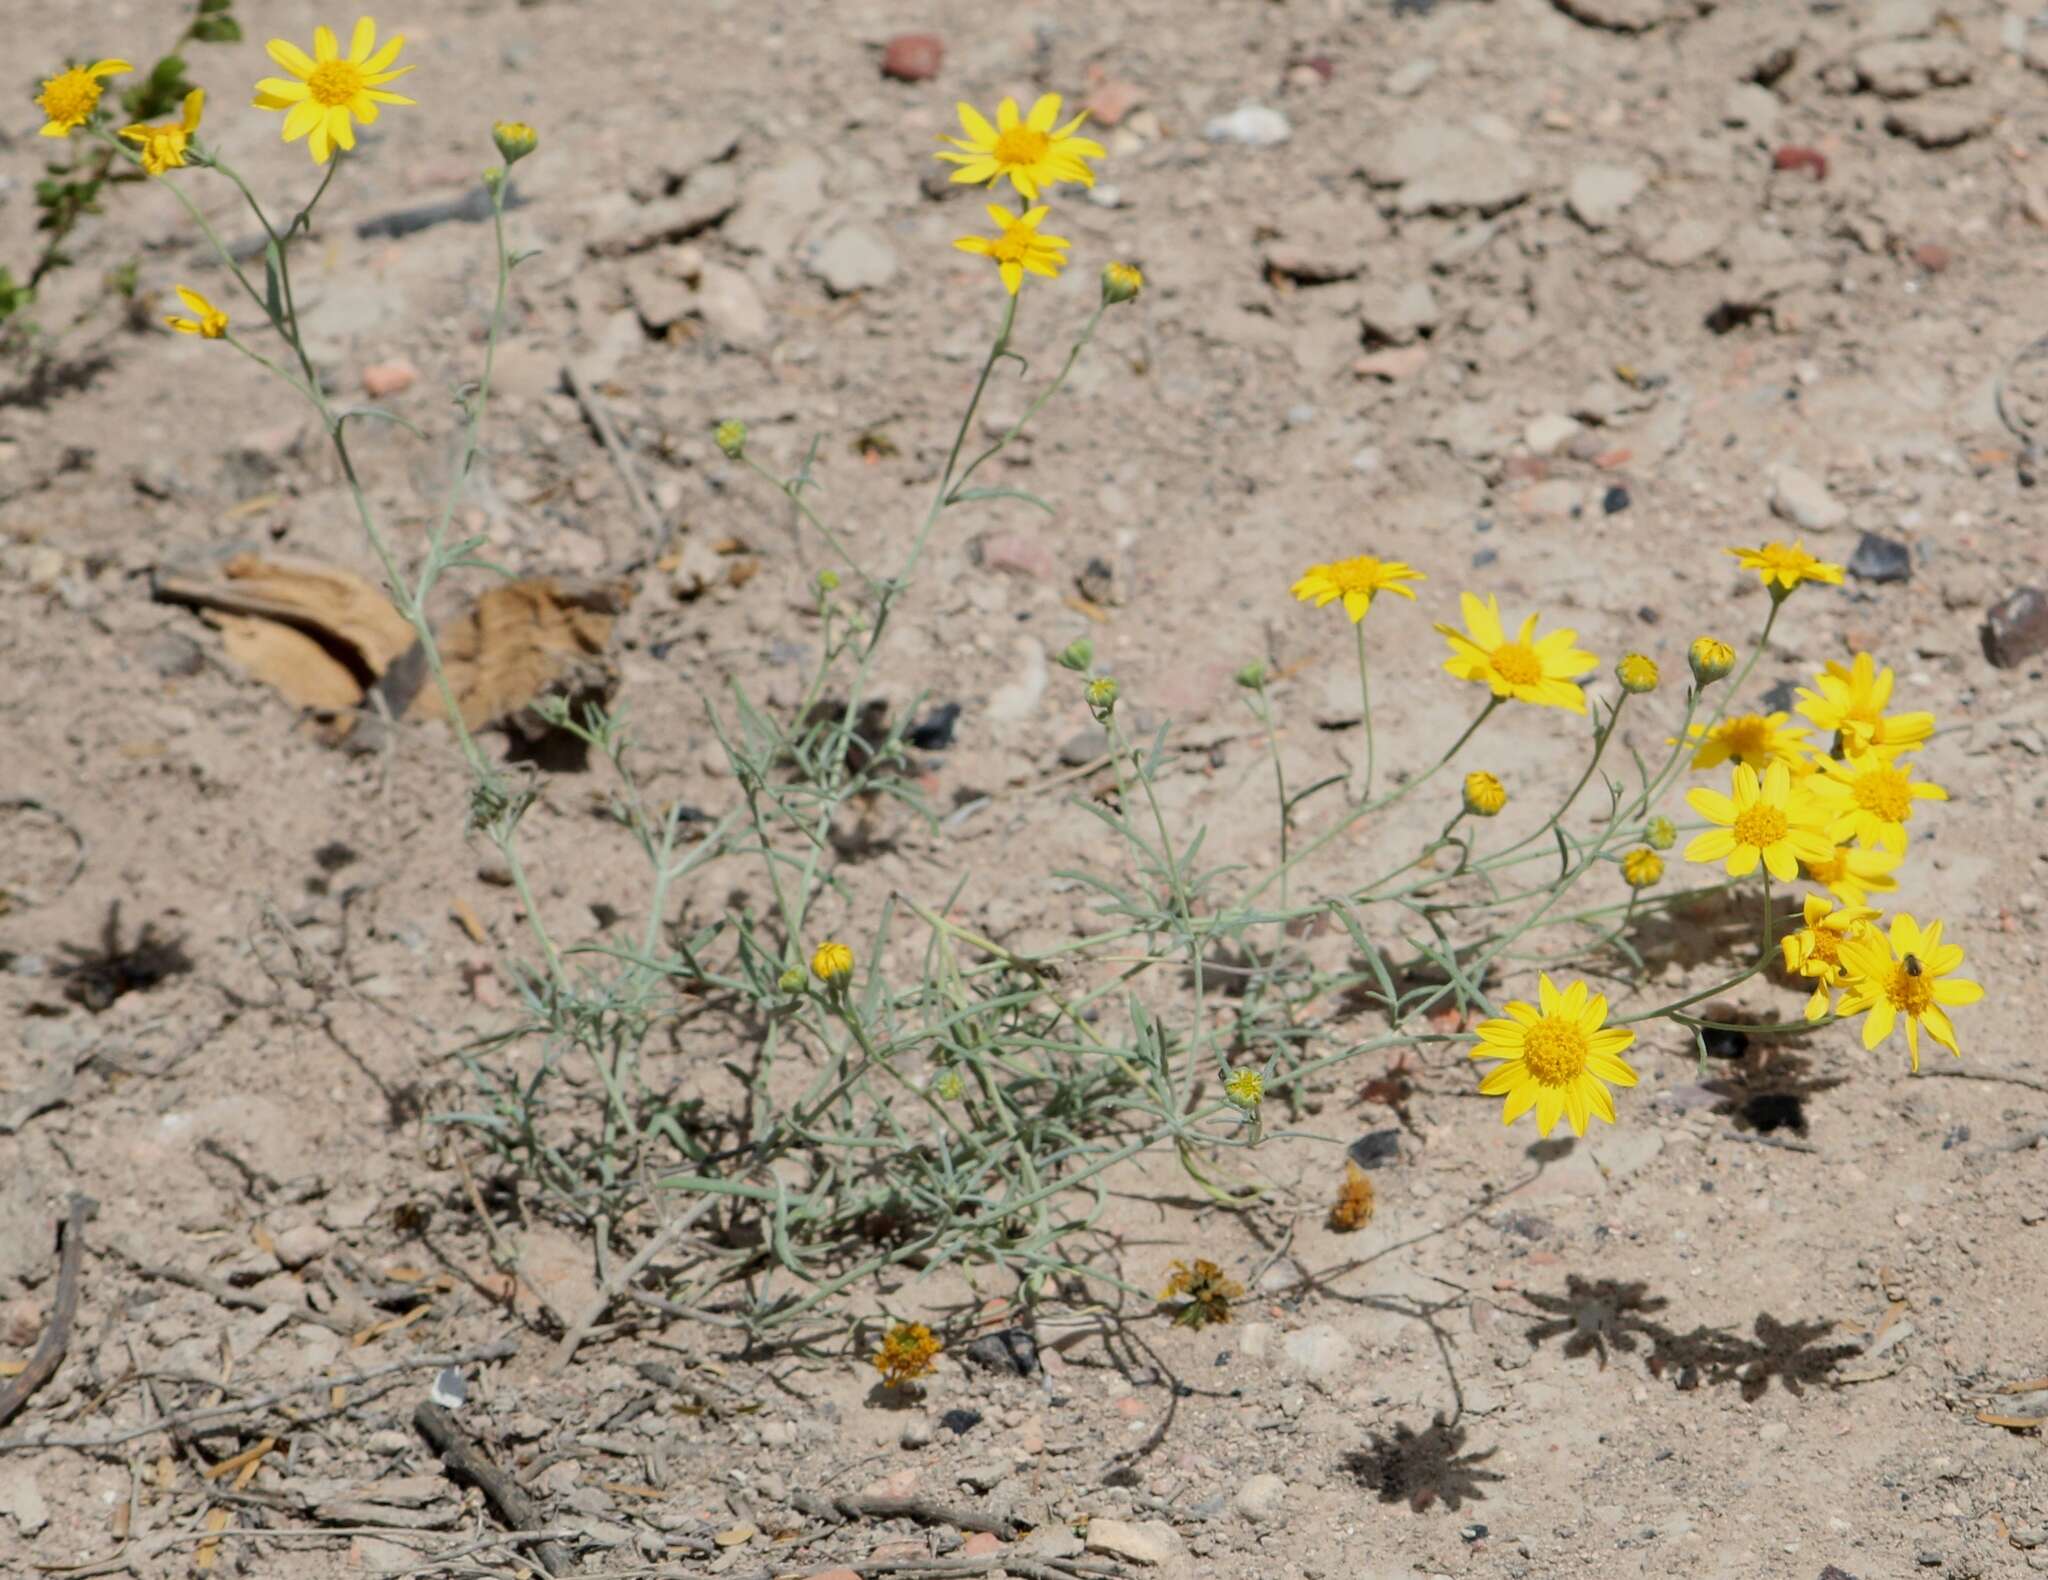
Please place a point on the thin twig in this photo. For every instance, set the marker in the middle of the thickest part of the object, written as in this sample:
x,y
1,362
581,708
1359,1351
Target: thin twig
x,y
468,1463
42,1365
923,1510
228,1295
498,1350
565,1352
607,433
1768,1141
1985,1075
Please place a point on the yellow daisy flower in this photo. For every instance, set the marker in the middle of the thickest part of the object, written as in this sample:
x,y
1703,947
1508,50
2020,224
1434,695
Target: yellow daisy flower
x,y
1901,976
1484,795
1245,1087
331,87
1852,874
207,321
1783,566
1850,703
70,97
1528,670
1758,739
1815,950
1556,1057
832,962
1769,821
1870,798
1355,581
1641,867
1032,150
163,147
1019,247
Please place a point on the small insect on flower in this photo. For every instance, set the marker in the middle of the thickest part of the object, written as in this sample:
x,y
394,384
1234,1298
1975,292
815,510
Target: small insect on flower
x,y
907,1352
1206,1290
70,97
207,321
163,147
1356,581
1121,282
1783,566
1637,673
1484,795
1905,975
1032,150
1641,867
1354,1205
1245,1087
1528,669
328,92
832,962
1019,248
1710,659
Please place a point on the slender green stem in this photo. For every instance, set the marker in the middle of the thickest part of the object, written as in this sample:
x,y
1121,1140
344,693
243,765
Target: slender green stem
x,y
1364,708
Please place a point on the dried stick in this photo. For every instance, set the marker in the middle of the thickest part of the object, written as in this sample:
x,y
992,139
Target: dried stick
x,y
467,1463
565,1352
497,1351
42,1365
228,1295
923,1510
607,433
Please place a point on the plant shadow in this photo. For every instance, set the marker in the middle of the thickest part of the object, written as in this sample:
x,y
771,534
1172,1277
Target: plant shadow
x,y
1422,1468
1596,1317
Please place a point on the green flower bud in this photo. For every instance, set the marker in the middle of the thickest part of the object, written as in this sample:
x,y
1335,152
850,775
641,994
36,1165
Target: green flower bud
x,y
1077,655
1253,675
732,438
515,140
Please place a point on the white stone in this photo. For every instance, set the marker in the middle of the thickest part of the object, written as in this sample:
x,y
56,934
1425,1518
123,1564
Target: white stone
x,y
1804,501
21,1498
732,308
1251,125
1259,1499
1599,193
853,258
1753,105
1549,433
1316,1352
1149,1542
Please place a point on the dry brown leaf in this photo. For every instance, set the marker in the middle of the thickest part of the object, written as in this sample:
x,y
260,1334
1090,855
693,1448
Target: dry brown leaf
x,y
523,640
288,661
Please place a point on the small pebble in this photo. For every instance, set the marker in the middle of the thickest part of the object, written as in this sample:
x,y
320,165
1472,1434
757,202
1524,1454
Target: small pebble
x,y
913,57
1615,500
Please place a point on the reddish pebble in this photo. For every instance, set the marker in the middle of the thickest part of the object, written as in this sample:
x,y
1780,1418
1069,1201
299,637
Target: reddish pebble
x,y
1795,157
836,1574
1525,469
1933,256
1019,553
1608,460
895,1554
1322,66
1111,101
982,1544
897,1484
1130,1409
913,57
389,378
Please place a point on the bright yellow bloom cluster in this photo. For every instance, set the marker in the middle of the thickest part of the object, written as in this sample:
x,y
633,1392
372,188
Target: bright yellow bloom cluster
x,y
328,92
70,97
1837,809
1035,153
832,962
1558,1057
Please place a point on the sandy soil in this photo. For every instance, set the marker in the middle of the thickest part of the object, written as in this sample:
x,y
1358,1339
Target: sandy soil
x,y
1686,1346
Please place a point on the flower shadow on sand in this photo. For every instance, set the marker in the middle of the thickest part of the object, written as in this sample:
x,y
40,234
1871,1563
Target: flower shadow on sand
x,y
1422,1468
1595,1317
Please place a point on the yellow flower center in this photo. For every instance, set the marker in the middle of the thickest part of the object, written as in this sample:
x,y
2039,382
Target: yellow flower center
x,y
1356,575
1780,558
1759,825
1910,994
1554,1051
335,82
1517,664
1014,243
1748,738
70,96
1885,793
1021,145
1826,946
